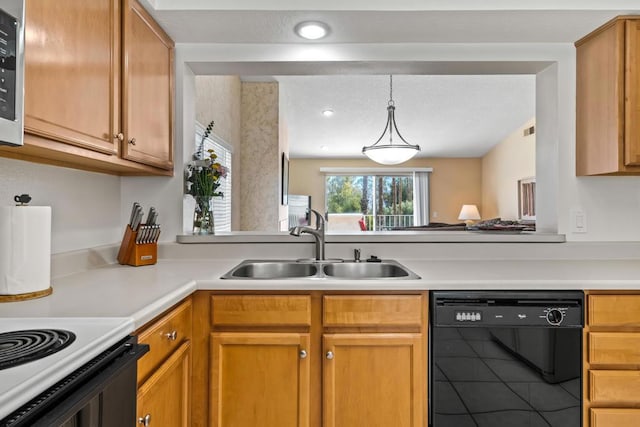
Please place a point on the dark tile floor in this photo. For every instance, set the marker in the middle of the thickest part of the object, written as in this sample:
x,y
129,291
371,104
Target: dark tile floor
x,y
478,383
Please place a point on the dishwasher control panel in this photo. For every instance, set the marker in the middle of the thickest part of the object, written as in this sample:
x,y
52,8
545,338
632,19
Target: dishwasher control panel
x,y
512,309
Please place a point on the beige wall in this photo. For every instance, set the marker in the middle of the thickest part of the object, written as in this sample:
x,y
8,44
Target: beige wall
x,y
502,167
453,182
218,99
260,157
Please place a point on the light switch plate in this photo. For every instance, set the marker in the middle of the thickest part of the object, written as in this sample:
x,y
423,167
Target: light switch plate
x,y
578,221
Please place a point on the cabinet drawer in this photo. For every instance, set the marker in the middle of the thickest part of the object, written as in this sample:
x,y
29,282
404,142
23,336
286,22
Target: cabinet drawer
x,y
614,387
614,310
261,310
372,310
615,417
161,338
614,348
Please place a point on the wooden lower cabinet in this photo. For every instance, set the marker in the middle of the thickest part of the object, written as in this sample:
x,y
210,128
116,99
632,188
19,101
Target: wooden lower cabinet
x,y
373,380
607,417
164,399
259,379
310,359
612,359
164,373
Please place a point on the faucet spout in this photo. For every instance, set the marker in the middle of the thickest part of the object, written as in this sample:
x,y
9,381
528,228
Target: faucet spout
x,y
317,233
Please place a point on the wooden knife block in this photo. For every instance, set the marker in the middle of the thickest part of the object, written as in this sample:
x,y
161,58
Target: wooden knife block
x,y
132,253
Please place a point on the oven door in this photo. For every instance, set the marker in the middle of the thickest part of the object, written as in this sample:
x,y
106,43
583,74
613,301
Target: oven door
x,y
505,376
101,393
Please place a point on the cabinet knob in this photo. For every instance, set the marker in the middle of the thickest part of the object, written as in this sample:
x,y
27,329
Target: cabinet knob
x,y
132,141
119,137
330,355
303,354
145,421
171,336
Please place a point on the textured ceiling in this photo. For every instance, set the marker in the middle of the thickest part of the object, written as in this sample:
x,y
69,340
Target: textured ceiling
x,y
448,116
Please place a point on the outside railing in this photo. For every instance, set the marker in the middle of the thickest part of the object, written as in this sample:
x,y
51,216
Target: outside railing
x,y
387,222
350,221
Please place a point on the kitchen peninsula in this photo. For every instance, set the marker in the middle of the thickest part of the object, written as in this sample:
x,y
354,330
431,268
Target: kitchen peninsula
x,y
143,294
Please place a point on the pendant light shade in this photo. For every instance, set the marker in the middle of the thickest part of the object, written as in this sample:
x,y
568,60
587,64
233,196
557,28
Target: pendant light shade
x,y
390,153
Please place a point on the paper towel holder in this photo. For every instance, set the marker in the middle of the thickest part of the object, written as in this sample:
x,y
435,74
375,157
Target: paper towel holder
x,y
22,199
27,296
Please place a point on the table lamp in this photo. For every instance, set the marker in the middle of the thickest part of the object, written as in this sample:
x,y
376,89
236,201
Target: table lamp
x,y
469,214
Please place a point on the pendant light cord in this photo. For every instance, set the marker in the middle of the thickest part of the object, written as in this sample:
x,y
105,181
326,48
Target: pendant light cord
x,y
391,90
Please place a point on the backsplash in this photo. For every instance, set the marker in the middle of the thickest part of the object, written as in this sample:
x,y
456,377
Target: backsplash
x,y
85,206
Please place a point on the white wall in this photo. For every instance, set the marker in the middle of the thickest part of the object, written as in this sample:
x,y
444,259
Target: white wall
x,y
85,206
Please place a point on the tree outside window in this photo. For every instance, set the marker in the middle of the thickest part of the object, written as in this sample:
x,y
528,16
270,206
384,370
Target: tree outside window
x,y
385,202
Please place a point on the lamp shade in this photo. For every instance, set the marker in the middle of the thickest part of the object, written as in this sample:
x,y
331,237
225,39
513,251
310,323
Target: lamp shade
x,y
386,154
469,212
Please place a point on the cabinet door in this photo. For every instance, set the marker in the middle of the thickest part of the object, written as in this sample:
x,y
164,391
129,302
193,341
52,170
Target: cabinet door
x,y
615,417
632,93
165,396
259,379
72,72
373,380
147,90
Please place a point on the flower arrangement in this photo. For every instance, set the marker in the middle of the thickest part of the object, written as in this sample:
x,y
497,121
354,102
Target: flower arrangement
x,y
202,179
203,174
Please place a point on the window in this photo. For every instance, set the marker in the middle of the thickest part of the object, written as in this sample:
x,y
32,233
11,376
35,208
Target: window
x,y
375,199
221,205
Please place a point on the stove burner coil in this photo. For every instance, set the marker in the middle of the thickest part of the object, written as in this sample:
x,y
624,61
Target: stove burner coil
x,y
19,347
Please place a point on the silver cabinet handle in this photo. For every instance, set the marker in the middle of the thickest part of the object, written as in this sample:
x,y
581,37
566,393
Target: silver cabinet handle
x,y
171,336
119,137
145,421
132,141
303,354
330,355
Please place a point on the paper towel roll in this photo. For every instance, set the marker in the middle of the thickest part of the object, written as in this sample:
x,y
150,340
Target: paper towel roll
x,y
25,249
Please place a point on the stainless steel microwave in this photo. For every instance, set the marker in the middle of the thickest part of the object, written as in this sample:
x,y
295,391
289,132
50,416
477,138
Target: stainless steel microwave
x,y
11,71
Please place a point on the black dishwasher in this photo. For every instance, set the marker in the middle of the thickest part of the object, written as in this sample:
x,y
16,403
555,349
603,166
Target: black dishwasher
x,y
505,358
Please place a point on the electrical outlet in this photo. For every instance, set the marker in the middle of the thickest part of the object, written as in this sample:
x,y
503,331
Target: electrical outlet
x,y
578,221
434,214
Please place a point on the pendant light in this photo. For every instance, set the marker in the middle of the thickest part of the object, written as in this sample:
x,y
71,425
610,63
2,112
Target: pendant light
x,y
390,153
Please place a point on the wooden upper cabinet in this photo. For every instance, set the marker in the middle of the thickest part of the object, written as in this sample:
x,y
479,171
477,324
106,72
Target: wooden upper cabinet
x,y
99,88
147,90
608,99
72,72
632,92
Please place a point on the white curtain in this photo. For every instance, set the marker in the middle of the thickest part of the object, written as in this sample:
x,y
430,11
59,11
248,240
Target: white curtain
x,y
421,198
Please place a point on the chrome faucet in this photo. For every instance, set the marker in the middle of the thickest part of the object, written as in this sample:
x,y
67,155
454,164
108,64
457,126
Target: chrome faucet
x,y
317,232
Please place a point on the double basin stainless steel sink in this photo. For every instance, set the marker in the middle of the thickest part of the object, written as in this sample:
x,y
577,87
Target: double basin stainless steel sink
x,y
329,269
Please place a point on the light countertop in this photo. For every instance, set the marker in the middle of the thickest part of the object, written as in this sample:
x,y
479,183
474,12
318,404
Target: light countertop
x,y
141,293
135,295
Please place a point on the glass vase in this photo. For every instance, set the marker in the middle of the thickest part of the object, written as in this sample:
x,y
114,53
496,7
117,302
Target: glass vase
x,y
203,216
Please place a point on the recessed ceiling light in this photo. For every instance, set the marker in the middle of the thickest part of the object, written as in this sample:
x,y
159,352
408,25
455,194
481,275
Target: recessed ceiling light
x,y
328,112
324,148
312,30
